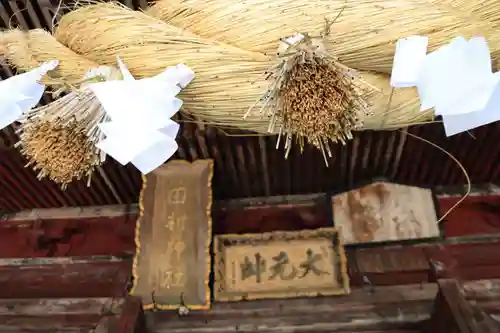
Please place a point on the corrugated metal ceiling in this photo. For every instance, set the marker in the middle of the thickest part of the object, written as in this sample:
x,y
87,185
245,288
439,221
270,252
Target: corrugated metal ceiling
x,y
250,165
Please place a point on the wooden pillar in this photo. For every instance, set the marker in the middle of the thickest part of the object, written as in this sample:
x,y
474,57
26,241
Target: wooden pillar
x,y
132,317
454,314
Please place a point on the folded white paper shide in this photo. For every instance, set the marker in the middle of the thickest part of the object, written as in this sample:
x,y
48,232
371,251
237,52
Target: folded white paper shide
x,y
458,123
22,92
456,80
141,131
288,42
408,59
453,71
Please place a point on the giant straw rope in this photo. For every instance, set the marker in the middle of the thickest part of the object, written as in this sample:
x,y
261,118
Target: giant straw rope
x,y
362,37
228,79
231,45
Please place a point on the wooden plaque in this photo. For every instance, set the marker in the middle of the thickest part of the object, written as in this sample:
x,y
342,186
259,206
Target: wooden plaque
x,y
280,265
172,262
383,212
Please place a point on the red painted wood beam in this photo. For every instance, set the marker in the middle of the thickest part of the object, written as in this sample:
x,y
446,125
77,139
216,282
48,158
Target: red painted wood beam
x,y
68,237
475,216
109,230
424,263
66,277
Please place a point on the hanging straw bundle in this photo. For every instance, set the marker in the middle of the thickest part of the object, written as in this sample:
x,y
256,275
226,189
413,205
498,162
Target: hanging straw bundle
x,y
362,37
58,148
58,139
314,96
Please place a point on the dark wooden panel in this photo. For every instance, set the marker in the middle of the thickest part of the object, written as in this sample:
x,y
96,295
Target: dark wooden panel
x,y
287,213
67,237
48,323
388,308
111,315
380,309
55,306
388,316
467,261
453,313
392,260
80,279
131,319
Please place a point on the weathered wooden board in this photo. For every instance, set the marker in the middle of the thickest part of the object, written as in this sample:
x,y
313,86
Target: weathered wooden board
x,y
172,263
60,306
373,260
389,309
385,212
123,314
280,264
268,214
63,278
453,313
395,309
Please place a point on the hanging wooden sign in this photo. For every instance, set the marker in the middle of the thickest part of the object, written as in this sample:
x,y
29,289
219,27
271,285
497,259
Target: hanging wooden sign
x,y
172,263
280,265
382,212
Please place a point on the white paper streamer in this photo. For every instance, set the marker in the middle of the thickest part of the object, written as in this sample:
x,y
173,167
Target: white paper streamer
x,y
456,80
408,60
454,124
286,43
22,92
141,131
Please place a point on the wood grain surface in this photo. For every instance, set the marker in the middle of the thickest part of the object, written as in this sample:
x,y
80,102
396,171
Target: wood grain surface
x,y
172,262
385,212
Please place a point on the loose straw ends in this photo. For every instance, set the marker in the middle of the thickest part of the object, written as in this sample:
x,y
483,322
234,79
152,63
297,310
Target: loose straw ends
x,y
59,139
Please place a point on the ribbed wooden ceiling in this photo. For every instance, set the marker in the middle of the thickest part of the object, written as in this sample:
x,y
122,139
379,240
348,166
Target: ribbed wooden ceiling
x,y
249,166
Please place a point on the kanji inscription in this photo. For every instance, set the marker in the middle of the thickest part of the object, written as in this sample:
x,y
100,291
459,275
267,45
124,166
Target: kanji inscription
x,y
282,268
283,264
172,262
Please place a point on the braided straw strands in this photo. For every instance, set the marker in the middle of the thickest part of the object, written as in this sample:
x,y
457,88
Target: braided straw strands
x,y
228,79
26,50
362,37
479,10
